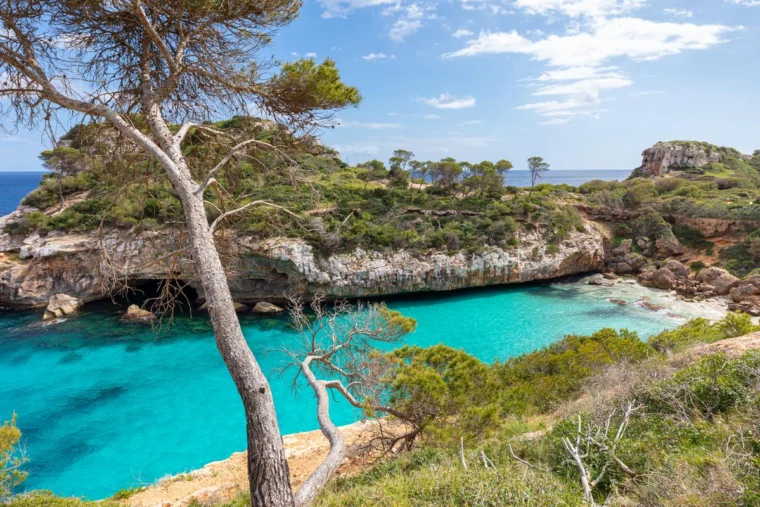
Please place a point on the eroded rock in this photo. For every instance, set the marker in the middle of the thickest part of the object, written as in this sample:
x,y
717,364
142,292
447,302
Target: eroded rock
x,y
719,279
136,314
267,308
61,305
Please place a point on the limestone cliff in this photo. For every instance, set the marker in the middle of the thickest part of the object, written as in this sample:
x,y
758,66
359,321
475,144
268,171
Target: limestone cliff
x,y
34,268
662,158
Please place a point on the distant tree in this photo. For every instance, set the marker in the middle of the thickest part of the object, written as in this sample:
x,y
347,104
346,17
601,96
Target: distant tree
x,y
503,167
399,163
374,165
376,171
537,166
418,169
449,171
11,459
59,161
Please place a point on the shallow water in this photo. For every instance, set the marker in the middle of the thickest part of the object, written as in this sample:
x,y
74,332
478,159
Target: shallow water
x,y
106,405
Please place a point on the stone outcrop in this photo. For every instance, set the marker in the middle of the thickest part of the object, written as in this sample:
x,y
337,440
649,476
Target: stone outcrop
x,y
34,268
720,280
267,308
136,314
716,227
662,158
623,261
745,295
61,305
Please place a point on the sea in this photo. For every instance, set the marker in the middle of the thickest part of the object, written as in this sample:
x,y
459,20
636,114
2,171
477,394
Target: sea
x,y
106,405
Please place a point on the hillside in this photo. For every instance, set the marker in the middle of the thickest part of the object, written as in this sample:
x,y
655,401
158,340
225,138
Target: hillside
x,y
366,230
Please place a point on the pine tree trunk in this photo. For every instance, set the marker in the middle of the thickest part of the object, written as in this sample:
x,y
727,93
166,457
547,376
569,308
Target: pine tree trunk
x,y
267,466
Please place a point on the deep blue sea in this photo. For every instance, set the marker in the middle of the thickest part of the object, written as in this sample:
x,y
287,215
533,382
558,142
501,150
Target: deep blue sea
x,y
14,186
105,405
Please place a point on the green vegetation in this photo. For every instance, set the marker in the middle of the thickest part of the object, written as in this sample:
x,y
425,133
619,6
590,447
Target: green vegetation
x,y
688,429
11,459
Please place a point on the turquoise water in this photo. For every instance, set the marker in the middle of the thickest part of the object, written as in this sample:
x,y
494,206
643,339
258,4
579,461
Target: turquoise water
x,y
106,405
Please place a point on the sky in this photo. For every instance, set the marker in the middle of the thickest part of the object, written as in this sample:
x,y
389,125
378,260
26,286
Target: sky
x,y
585,84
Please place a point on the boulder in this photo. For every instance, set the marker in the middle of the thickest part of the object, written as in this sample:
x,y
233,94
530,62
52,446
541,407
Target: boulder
x,y
137,314
664,278
721,280
745,289
679,270
668,246
750,305
645,303
264,307
620,302
643,243
646,276
61,305
623,249
609,275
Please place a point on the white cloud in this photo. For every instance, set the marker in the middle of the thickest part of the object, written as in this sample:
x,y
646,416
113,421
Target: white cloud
x,y
402,28
358,149
556,121
369,125
637,39
578,61
462,33
562,108
747,3
470,122
448,101
579,8
310,55
679,13
340,8
573,73
587,87
378,56
432,116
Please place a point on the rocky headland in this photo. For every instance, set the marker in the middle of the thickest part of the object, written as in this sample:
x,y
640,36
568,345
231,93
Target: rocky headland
x,y
623,229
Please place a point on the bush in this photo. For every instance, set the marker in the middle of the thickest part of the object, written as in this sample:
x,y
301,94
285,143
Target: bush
x,y
712,386
538,381
703,331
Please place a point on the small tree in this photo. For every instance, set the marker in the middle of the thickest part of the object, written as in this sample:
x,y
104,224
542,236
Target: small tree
x,y
503,167
11,458
61,160
537,167
339,343
399,163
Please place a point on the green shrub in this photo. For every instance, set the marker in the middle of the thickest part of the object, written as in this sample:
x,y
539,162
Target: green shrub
x,y
712,386
703,331
535,382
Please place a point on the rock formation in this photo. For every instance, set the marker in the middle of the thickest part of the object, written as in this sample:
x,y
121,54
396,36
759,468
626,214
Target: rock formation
x,y
35,267
137,314
61,305
660,159
266,308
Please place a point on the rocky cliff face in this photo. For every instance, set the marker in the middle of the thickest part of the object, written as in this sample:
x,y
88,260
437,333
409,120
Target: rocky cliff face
x,y
34,268
660,159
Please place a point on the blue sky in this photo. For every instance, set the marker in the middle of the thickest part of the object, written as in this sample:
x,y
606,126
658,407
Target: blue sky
x,y
586,84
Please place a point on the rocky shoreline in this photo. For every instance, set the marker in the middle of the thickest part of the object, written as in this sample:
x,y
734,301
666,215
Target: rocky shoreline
x,y
35,268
